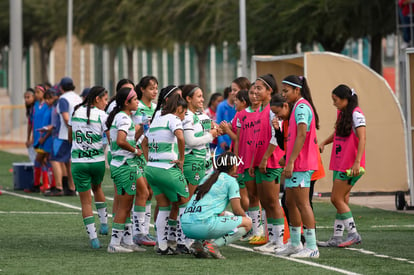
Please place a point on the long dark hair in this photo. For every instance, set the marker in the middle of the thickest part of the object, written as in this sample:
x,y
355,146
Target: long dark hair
x,y
29,108
343,125
120,98
243,95
120,83
143,84
242,82
173,103
165,93
90,100
213,98
225,162
270,82
302,84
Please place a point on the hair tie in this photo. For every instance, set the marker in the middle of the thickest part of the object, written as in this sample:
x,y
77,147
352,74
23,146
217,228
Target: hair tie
x,y
292,84
353,92
167,94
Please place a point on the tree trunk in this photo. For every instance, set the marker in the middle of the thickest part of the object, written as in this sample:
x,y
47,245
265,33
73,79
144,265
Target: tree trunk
x,y
376,53
130,53
44,62
112,76
202,62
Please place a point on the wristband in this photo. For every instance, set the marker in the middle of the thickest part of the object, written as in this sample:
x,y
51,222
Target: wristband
x,y
136,151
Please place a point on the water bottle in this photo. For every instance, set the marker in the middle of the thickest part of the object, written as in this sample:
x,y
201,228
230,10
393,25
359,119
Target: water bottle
x,y
145,122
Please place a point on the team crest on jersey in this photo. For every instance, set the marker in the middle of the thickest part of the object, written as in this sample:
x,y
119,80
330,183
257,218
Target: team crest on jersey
x,y
133,188
197,177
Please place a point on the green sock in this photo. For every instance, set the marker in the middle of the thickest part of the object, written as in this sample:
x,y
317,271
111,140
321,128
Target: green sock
x,y
231,237
295,235
310,238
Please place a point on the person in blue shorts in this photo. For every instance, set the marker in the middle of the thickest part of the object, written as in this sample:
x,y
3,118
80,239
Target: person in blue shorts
x,y
204,218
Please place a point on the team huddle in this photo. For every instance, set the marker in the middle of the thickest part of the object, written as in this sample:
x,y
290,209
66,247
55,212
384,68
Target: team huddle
x,y
196,162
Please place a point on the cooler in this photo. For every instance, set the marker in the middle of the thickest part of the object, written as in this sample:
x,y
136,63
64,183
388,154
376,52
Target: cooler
x,y
23,175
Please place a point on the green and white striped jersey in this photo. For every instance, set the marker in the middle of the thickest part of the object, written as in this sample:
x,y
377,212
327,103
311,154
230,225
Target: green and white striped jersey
x,y
206,122
192,122
142,110
122,122
87,143
162,142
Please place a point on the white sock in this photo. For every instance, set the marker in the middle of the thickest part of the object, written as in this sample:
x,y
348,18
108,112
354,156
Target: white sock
x,y
162,228
147,221
116,236
127,236
339,227
181,238
139,223
102,212
263,221
350,225
255,215
279,232
91,229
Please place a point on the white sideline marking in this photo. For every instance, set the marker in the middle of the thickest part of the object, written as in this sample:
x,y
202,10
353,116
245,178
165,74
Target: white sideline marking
x,y
39,213
49,201
297,260
392,226
379,255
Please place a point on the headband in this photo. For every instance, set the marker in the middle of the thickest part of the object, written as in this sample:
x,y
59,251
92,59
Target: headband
x,y
130,95
193,90
265,82
173,89
292,84
40,87
353,92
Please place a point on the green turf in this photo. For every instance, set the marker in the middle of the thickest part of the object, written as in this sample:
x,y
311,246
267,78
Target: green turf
x,y
56,243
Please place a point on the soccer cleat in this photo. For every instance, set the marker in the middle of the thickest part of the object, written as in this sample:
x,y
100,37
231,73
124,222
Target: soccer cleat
x,y
152,237
34,189
306,253
54,192
213,250
172,244
332,242
95,244
353,238
143,240
112,248
258,240
133,247
288,250
247,237
103,230
197,249
71,193
182,249
270,247
168,251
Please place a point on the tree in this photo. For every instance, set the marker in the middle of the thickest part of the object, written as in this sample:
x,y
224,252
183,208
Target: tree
x,y
201,24
44,22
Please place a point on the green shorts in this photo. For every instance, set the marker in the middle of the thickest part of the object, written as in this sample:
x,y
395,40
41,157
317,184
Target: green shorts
x,y
170,182
240,181
194,169
84,174
342,176
301,179
213,228
272,174
125,177
141,163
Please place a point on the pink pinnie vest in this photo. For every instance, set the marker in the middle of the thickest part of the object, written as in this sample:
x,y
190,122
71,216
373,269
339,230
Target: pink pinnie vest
x,y
307,159
246,139
262,135
344,150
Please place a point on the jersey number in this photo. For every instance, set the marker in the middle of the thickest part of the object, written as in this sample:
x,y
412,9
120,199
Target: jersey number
x,y
80,137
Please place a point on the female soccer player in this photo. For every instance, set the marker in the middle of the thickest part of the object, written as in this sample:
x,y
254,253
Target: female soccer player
x,y
203,218
165,164
347,164
124,169
301,161
88,160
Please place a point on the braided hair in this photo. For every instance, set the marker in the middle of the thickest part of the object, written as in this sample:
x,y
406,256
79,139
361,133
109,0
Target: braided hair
x,y
90,100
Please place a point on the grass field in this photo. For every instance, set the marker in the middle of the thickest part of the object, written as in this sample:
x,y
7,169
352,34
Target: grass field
x,y
40,235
